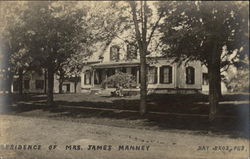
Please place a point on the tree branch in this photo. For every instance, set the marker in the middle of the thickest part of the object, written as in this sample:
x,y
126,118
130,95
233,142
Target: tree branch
x,y
144,24
154,28
137,31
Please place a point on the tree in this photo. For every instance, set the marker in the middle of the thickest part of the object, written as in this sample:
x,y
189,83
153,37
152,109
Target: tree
x,y
52,35
11,36
200,30
140,13
139,19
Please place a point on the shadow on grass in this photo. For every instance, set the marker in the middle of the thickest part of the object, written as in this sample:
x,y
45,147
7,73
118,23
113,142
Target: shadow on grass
x,y
233,119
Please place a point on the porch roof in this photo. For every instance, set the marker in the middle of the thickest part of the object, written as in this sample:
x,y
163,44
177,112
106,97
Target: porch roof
x,y
116,64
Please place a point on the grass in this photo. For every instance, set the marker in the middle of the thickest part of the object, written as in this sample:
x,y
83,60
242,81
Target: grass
x,y
187,113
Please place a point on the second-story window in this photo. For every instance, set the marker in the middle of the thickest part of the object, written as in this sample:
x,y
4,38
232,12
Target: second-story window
x,y
114,53
131,51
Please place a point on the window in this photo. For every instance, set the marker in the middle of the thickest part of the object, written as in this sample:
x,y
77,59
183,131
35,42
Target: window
x,y
166,74
123,69
87,78
134,72
190,75
66,88
114,53
26,84
97,77
152,75
39,84
204,79
131,51
111,71
15,86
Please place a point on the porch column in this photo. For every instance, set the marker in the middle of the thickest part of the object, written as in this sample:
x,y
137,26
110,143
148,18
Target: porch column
x,y
137,75
106,73
158,75
106,76
93,78
116,70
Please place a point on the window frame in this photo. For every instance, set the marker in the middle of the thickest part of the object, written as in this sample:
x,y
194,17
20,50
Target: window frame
x,y
98,74
26,84
205,79
190,74
129,53
111,53
170,75
42,84
155,74
15,85
85,77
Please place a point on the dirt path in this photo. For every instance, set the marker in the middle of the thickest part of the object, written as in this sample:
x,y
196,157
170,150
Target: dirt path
x,y
162,144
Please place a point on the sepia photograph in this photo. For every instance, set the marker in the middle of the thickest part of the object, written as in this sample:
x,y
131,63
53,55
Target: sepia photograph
x,y
124,80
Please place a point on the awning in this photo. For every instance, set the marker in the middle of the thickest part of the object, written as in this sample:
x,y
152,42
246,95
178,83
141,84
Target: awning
x,y
116,64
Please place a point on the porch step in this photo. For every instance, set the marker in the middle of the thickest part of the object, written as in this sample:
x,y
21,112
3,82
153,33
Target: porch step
x,y
101,91
107,92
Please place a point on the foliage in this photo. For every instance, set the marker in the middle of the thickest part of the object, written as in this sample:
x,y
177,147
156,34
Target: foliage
x,y
52,32
191,28
240,82
200,30
11,33
238,79
124,80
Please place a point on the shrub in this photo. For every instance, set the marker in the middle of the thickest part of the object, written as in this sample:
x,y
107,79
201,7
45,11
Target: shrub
x,y
124,80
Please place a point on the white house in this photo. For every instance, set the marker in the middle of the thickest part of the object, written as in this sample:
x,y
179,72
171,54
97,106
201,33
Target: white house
x,y
164,75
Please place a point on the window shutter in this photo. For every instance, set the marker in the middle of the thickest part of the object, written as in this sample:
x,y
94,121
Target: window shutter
x,y
192,75
161,74
85,78
187,75
155,74
170,74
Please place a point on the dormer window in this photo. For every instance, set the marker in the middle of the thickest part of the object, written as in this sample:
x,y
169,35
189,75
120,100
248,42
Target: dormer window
x,y
114,53
131,51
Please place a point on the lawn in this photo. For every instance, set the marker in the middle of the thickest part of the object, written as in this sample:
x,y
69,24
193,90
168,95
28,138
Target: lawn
x,y
182,113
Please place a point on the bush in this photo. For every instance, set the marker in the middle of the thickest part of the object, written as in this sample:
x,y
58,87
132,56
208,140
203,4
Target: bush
x,y
124,80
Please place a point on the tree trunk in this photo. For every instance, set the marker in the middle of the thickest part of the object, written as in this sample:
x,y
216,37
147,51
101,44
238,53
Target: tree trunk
x,y
213,93
142,43
50,98
45,82
8,82
143,90
60,87
218,83
20,81
214,80
61,79
75,82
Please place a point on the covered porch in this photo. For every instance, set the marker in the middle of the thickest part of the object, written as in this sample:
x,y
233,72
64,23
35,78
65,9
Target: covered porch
x,y
160,76
102,71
